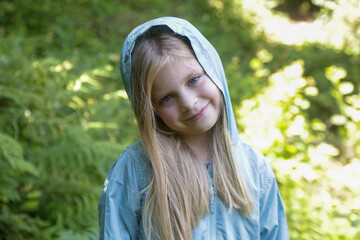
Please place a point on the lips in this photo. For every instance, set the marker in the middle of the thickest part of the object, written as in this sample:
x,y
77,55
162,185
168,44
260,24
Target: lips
x,y
199,114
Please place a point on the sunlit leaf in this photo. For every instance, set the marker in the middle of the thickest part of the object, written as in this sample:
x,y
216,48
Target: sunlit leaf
x,y
337,119
346,87
255,64
328,149
318,125
311,91
264,55
335,74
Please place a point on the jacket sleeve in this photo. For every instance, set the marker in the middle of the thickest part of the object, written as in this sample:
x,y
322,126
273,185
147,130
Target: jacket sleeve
x,y
273,224
119,202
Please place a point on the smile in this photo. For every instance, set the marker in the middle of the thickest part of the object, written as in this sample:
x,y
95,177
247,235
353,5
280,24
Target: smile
x,y
199,114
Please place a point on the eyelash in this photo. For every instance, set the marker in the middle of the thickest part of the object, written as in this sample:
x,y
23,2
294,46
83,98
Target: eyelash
x,y
194,80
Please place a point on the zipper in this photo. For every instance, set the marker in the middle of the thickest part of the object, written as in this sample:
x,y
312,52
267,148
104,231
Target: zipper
x,y
212,214
212,229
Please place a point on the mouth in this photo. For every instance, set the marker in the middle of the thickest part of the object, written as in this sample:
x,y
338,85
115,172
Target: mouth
x,y
199,114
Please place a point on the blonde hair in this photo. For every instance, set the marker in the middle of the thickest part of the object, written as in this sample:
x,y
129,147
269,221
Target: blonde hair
x,y
179,190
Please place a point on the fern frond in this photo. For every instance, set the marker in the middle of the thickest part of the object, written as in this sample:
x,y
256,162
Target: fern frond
x,y
12,152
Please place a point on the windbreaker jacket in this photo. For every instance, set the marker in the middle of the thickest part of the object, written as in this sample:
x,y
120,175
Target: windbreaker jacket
x,y
122,198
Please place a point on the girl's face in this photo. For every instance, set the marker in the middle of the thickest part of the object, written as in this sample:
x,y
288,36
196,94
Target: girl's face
x,y
185,97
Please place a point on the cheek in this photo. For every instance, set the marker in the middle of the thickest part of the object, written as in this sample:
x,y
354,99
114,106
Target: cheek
x,y
216,97
167,115
211,91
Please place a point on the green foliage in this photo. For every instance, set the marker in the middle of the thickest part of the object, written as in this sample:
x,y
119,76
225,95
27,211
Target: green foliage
x,y
306,151
65,117
61,127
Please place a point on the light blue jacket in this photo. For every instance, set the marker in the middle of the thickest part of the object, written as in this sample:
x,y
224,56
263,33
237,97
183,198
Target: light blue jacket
x,y
122,199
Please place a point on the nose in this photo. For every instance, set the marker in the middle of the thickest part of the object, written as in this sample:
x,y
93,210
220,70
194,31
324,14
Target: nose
x,y
187,101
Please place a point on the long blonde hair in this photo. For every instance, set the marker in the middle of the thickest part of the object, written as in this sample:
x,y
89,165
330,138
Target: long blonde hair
x,y
179,190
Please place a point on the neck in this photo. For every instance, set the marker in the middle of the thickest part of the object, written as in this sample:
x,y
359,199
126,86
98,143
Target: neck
x,y
200,145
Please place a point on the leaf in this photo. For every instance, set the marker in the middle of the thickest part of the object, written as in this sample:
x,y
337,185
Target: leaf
x,y
12,152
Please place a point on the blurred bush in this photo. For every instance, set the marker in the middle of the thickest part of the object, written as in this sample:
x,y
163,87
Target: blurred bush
x,y
58,134
65,116
316,158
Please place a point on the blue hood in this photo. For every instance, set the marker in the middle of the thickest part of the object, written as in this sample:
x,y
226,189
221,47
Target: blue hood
x,y
204,51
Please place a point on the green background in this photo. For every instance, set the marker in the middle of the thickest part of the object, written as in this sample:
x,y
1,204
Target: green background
x,y
64,115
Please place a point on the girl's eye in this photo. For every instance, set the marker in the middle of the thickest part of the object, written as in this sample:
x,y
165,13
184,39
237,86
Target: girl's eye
x,y
165,99
193,80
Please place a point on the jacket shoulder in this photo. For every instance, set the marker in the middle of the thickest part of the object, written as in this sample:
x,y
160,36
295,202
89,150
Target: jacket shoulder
x,y
132,167
255,166
120,202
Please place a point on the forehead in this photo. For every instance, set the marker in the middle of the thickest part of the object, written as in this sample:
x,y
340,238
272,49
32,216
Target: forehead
x,y
188,63
176,73
177,69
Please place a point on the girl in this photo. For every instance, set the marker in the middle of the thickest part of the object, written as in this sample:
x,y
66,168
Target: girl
x,y
190,176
